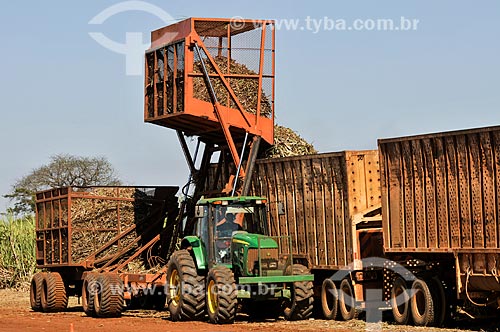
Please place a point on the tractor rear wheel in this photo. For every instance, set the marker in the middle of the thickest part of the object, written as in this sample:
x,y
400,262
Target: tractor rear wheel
x,y
329,299
36,291
53,296
300,305
347,303
109,301
90,288
221,296
186,291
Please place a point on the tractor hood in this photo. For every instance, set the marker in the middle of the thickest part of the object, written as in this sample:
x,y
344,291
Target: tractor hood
x,y
254,240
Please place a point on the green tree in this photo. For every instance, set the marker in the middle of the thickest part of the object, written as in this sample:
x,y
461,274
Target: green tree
x,y
63,170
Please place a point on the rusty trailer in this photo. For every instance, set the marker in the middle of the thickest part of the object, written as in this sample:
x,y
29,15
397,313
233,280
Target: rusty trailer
x,y
330,206
88,237
315,198
441,217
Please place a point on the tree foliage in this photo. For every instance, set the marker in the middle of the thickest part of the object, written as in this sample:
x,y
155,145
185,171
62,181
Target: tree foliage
x,y
62,171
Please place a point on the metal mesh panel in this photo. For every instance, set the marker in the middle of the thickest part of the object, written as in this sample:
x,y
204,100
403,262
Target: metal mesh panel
x,y
200,88
244,88
249,39
268,45
242,65
216,46
268,68
245,61
267,102
198,68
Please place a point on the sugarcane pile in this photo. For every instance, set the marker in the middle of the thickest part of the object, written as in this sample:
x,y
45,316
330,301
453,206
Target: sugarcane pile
x,y
288,143
245,89
95,221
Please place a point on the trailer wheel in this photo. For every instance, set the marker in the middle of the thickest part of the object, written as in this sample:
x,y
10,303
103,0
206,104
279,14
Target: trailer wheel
x,y
422,304
109,302
90,288
329,299
442,307
221,296
400,302
186,290
300,306
36,291
53,295
347,303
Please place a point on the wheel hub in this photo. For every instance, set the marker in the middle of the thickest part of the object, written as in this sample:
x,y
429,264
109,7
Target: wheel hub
x,y
175,287
212,297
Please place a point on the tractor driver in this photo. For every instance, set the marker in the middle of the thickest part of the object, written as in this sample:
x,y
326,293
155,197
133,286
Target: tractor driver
x,y
229,223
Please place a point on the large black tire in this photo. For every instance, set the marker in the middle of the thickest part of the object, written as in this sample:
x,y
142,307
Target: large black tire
x,y
329,299
222,294
300,306
442,309
109,301
347,303
90,288
400,302
185,289
422,304
36,291
53,296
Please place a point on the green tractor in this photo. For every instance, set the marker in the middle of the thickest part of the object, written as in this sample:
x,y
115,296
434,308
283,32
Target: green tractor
x,y
230,261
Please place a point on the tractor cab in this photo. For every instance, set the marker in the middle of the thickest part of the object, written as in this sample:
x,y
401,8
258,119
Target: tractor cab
x,y
224,223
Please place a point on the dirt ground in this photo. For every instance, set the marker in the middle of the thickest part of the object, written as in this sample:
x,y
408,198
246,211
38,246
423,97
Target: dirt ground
x,y
16,315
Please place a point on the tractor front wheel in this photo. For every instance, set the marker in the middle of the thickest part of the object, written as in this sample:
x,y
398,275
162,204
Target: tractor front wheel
x,y
221,296
185,293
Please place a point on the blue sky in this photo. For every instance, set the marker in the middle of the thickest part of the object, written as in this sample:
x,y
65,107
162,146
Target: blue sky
x,y
61,92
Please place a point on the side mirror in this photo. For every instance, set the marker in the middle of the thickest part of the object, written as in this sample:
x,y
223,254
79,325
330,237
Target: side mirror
x,y
199,211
